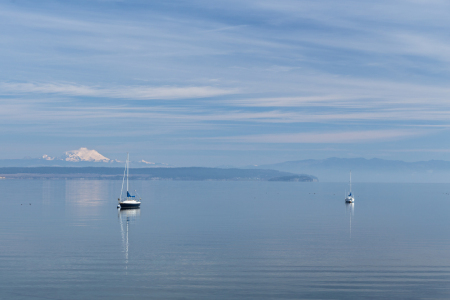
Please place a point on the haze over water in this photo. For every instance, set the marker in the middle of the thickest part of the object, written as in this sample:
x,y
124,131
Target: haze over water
x,y
223,240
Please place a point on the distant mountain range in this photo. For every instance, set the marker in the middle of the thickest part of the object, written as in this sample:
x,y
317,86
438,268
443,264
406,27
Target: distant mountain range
x,y
328,170
367,170
82,157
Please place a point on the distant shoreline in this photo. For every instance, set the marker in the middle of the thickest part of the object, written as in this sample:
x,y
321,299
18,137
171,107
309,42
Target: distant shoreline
x,y
185,174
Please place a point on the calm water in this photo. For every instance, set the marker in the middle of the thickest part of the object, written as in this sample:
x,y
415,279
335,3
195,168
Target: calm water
x,y
224,240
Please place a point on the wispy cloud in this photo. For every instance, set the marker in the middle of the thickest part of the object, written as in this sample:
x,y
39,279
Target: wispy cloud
x,y
325,137
37,110
252,71
123,92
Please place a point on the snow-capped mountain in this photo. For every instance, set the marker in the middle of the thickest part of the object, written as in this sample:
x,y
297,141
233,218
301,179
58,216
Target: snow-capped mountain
x,y
82,157
84,154
151,164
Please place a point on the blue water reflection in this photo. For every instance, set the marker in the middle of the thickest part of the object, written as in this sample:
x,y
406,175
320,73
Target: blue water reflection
x,y
350,211
127,217
223,240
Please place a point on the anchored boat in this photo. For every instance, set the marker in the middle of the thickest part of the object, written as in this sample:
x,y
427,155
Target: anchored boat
x,y
130,201
350,198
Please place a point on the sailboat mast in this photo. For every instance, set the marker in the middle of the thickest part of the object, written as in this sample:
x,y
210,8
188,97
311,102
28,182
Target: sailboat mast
x,y
350,182
128,166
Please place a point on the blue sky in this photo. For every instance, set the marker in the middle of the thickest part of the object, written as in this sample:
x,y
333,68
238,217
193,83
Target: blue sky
x,y
213,83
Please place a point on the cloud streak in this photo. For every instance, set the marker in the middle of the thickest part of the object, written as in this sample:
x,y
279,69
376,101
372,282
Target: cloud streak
x,y
123,92
237,72
325,137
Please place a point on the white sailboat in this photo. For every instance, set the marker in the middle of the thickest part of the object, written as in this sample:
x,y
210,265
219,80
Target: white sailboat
x,y
129,201
350,198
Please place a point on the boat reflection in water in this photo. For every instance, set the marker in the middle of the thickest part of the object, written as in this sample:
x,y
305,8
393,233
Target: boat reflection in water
x,y
350,210
127,217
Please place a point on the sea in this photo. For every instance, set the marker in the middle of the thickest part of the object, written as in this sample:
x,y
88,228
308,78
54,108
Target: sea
x,y
66,239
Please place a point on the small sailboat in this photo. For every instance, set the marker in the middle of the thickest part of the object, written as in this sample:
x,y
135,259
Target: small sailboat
x,y
350,198
129,201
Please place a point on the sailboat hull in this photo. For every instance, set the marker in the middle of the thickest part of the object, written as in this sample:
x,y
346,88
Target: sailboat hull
x,y
129,204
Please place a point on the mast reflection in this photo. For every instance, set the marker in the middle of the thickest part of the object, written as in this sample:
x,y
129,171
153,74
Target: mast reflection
x,y
350,210
127,216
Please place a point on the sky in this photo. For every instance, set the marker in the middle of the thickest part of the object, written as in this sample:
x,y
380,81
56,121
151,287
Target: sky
x,y
213,83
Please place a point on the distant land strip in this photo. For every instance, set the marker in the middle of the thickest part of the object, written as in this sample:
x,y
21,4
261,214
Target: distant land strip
x,y
295,178
188,173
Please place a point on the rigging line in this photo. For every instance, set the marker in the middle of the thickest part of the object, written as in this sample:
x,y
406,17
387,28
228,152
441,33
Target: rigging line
x,y
137,194
123,181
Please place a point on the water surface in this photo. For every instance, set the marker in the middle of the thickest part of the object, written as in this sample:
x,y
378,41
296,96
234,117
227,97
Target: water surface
x,y
65,239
